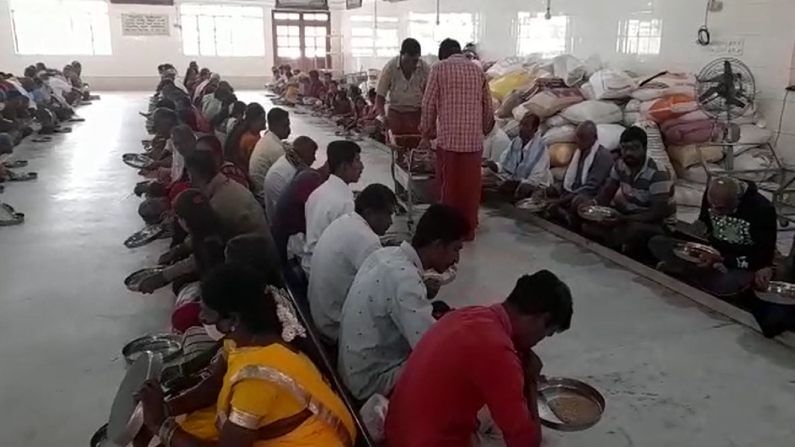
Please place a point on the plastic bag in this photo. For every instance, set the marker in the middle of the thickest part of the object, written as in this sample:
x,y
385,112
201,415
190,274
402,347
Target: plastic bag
x,y
611,84
655,148
549,102
695,132
511,102
556,120
666,85
600,112
668,107
609,135
568,68
504,85
689,193
560,134
373,414
495,144
683,157
560,154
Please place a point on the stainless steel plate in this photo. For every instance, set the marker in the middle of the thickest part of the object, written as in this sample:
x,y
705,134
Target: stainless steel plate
x,y
126,414
596,213
778,292
169,346
531,204
100,437
692,251
138,161
145,235
568,404
133,281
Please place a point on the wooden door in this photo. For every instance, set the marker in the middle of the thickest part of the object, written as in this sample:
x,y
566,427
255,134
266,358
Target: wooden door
x,y
300,38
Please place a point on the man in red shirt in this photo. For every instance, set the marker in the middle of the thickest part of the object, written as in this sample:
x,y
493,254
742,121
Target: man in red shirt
x,y
479,357
457,111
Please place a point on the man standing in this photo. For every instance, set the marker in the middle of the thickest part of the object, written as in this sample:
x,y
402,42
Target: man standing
x,y
457,110
403,80
476,357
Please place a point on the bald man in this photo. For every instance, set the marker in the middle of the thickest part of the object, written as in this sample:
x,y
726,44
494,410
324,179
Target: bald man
x,y
741,224
588,171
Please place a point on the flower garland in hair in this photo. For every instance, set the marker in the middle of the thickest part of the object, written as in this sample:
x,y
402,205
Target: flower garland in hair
x,y
291,326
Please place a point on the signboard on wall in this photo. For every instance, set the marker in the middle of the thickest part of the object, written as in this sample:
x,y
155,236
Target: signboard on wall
x,y
144,25
144,2
353,4
302,4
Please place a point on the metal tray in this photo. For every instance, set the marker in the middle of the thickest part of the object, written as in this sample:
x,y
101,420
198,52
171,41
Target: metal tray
x,y
555,389
133,281
778,292
145,235
137,161
126,413
9,216
15,164
531,204
692,251
15,177
169,346
100,437
596,213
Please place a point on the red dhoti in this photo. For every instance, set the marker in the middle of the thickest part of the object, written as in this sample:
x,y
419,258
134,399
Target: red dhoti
x,y
458,174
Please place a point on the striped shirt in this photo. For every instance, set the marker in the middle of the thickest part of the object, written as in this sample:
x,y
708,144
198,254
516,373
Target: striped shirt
x,y
638,192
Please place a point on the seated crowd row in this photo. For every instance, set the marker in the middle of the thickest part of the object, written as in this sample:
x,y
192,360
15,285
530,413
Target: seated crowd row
x,y
252,218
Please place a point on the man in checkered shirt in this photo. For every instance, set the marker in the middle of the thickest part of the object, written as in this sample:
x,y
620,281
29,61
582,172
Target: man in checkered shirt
x,y
457,111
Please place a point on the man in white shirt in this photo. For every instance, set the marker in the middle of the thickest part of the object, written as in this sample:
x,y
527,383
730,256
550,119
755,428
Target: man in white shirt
x,y
297,156
213,103
268,149
387,309
334,197
341,250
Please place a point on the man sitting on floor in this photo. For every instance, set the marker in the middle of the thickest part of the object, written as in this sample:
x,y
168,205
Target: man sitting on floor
x,y
341,250
741,223
334,197
268,149
589,169
645,204
388,310
297,156
480,357
524,166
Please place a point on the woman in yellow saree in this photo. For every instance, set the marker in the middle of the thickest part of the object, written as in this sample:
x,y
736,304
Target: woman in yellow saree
x,y
263,392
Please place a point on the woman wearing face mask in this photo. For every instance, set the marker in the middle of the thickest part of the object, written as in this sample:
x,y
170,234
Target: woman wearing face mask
x,y
263,391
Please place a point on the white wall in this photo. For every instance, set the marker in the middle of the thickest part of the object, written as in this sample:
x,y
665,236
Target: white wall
x,y
133,64
765,27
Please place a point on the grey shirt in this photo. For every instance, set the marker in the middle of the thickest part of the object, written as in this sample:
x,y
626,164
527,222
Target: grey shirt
x,y
384,316
600,171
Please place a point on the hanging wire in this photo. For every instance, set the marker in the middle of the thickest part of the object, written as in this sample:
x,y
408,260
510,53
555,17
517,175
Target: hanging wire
x,y
704,37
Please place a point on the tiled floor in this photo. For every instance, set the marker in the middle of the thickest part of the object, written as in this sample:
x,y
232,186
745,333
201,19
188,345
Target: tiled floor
x,y
673,374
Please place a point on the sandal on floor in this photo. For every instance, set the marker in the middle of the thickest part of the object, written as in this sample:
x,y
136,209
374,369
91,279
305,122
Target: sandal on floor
x,y
41,140
137,161
76,120
63,130
9,216
14,177
145,236
15,164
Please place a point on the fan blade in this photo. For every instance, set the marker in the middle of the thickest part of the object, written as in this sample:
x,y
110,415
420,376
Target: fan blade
x,y
727,68
717,79
735,102
713,91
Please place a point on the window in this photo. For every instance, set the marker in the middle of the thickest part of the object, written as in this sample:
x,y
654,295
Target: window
x,y
537,35
314,41
53,27
368,40
289,38
222,30
637,36
459,26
